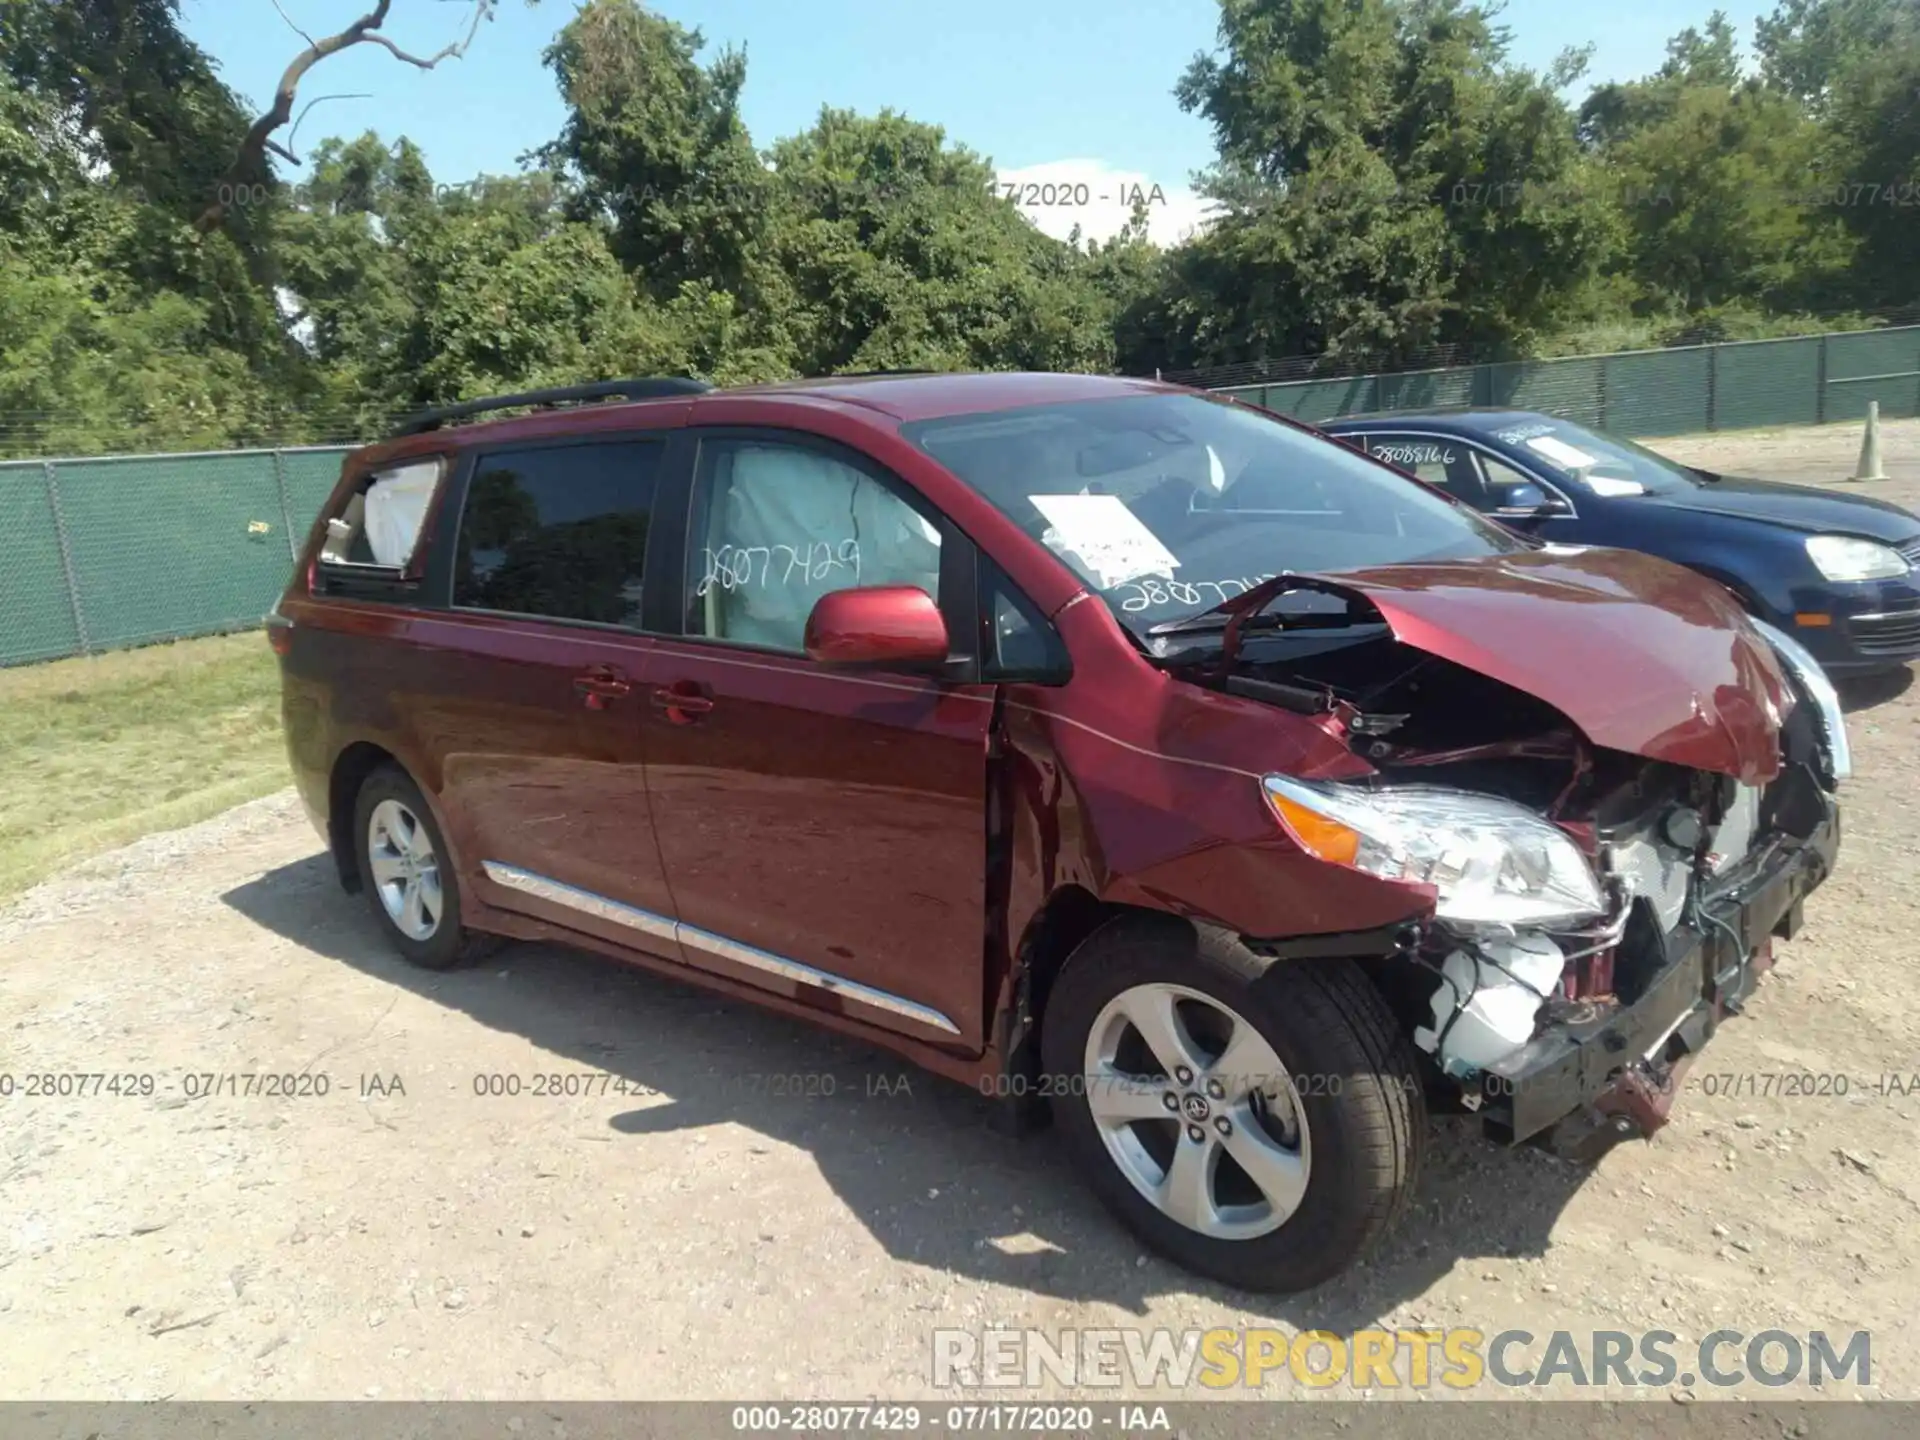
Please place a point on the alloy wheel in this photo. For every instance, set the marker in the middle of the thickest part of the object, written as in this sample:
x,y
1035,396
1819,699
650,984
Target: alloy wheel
x,y
1197,1111
406,872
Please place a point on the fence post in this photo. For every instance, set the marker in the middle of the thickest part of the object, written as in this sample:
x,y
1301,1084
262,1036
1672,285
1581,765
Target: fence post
x,y
1820,386
1601,386
286,511
1713,387
66,557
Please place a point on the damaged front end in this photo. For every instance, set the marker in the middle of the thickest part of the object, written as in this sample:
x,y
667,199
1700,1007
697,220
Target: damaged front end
x,y
1597,911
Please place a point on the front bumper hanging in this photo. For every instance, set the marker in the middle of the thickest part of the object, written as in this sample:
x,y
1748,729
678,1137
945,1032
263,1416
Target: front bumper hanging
x,y
1581,1090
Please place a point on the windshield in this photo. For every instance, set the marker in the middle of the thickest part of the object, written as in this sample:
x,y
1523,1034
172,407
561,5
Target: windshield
x,y
1605,465
1169,504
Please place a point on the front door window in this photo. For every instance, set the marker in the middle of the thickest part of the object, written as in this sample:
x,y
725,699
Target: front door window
x,y
779,526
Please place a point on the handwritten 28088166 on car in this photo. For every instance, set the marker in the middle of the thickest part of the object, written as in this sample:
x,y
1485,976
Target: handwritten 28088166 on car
x,y
1157,756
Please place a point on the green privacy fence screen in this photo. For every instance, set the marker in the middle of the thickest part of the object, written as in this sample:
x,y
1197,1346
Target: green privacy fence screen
x,y
97,554
1808,380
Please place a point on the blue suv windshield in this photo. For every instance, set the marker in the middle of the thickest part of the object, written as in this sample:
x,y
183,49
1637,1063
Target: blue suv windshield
x,y
1169,504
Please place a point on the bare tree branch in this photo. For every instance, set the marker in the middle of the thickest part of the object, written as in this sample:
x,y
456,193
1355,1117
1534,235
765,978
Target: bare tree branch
x,y
290,25
250,159
317,100
450,52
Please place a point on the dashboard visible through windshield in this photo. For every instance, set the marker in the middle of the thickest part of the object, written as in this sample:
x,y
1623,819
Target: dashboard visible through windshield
x,y
1604,464
1170,504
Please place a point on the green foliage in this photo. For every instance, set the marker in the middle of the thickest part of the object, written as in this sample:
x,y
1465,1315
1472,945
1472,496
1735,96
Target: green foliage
x,y
659,145
1717,184
1812,49
1390,182
1387,179
894,252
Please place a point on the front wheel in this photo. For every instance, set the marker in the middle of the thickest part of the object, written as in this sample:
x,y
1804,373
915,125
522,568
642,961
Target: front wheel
x,y
1259,1122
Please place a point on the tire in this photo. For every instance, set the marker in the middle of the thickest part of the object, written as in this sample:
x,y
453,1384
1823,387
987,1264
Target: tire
x,y
387,796
1342,1065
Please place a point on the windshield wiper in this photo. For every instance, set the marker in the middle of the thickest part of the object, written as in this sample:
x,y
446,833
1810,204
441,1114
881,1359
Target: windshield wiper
x,y
1250,607
1233,617
1204,620
1209,621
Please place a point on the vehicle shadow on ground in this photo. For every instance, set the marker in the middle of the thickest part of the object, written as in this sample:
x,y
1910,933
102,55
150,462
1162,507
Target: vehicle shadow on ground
x,y
913,1157
1872,690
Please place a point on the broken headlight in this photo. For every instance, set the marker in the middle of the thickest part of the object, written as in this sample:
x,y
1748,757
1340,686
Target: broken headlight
x,y
1492,862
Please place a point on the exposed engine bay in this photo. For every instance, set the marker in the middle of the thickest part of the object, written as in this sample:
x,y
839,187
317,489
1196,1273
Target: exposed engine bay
x,y
1487,793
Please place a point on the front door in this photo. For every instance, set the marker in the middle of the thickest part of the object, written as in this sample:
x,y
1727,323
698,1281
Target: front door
x,y
541,677
824,832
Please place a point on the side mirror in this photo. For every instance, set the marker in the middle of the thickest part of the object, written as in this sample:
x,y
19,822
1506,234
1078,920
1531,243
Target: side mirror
x,y
1530,502
898,626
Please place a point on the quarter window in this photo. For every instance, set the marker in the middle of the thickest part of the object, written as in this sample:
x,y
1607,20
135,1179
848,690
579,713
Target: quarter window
x,y
559,532
776,526
1018,643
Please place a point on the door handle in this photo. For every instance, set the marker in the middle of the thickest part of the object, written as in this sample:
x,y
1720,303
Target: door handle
x,y
682,701
600,683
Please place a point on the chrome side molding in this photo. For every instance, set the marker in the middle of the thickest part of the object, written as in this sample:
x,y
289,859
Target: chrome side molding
x,y
585,901
659,927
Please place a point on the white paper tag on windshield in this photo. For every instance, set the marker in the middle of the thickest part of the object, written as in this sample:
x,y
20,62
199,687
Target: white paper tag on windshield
x,y
1561,453
1105,537
1613,486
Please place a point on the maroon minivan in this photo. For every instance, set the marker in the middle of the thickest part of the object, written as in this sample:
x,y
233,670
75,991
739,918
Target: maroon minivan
x,y
1155,764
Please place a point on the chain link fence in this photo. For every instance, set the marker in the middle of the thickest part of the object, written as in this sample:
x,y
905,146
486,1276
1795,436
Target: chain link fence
x,y
1733,385
96,554
104,553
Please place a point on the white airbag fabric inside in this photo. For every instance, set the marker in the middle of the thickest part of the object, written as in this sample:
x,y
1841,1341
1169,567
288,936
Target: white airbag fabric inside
x,y
397,508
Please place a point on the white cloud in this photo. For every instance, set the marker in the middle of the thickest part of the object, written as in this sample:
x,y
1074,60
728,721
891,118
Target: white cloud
x,y
291,305
1099,198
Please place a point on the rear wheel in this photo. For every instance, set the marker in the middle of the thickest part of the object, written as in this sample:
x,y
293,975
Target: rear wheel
x,y
407,873
1259,1122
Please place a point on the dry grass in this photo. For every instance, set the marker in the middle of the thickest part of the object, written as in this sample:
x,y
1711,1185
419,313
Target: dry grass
x,y
99,751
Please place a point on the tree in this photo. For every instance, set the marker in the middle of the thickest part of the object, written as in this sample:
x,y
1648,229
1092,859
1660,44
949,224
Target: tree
x,y
1856,65
249,166
121,326
1716,175
1389,180
1810,48
896,252
658,145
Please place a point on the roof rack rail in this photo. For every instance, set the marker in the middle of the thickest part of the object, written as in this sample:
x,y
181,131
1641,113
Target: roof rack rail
x,y
653,388
875,374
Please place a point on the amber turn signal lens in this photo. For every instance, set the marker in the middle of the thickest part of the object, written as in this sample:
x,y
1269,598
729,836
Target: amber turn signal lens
x,y
1320,837
1812,619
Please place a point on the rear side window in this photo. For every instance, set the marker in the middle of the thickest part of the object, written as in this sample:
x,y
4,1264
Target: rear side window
x,y
369,550
558,532
1438,462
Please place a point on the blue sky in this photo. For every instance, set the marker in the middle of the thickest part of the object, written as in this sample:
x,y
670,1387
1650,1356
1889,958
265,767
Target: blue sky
x,y
1047,88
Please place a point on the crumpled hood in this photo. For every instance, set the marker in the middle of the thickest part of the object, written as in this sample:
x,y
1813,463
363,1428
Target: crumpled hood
x,y
1643,655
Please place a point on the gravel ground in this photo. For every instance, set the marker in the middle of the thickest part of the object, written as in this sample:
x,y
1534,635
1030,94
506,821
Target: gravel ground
x,y
694,1232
